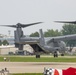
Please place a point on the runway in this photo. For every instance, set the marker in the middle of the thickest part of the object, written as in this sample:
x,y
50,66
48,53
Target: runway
x,y
33,67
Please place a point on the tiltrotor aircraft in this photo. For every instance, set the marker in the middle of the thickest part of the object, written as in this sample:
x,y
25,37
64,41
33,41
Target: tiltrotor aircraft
x,y
39,44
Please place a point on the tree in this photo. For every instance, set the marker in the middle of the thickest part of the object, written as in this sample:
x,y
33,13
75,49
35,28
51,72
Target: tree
x,y
48,33
52,33
69,29
5,42
36,34
0,42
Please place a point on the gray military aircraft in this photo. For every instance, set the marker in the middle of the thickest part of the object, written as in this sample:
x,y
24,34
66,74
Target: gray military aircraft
x,y
39,44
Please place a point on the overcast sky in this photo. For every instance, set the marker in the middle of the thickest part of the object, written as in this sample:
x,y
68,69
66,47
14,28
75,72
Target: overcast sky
x,y
30,11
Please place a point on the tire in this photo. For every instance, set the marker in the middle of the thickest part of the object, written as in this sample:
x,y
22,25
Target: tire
x,y
37,56
55,54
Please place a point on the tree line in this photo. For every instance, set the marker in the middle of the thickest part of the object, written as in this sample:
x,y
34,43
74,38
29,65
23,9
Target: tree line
x,y
4,42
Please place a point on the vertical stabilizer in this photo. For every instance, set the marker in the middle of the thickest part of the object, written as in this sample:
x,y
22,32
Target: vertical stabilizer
x,y
42,41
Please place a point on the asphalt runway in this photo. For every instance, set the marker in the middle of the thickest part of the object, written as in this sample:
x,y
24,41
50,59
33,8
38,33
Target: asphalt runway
x,y
33,67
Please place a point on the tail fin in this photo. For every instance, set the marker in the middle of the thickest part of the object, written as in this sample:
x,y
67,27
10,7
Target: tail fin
x,y
42,40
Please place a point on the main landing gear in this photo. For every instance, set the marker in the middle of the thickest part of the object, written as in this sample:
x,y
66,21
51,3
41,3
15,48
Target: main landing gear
x,y
55,54
37,56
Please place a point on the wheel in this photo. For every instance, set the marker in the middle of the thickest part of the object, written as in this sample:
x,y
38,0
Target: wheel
x,y
55,54
37,56
62,54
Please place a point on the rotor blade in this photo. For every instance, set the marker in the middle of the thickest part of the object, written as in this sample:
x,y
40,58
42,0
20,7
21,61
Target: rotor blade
x,y
73,22
19,25
26,25
9,26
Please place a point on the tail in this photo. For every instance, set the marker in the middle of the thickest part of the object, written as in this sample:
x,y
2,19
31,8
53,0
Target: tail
x,y
42,40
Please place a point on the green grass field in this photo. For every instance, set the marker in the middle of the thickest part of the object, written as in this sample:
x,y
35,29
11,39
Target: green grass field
x,y
34,59
42,59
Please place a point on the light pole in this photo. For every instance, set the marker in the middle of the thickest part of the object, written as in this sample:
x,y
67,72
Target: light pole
x,y
9,32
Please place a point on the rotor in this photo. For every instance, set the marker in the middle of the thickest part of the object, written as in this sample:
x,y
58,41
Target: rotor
x,y
19,25
72,22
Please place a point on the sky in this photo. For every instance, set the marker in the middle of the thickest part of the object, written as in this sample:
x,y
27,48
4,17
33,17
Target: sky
x,y
31,11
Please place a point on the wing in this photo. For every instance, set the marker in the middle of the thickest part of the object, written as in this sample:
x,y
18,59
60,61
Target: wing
x,y
23,40
29,40
63,38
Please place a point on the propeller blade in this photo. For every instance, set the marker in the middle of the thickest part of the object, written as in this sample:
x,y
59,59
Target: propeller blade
x,y
73,22
19,25
9,26
26,25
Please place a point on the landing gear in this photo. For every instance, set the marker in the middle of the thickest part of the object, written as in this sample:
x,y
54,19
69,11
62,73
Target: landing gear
x,y
37,52
55,54
37,56
62,54
19,52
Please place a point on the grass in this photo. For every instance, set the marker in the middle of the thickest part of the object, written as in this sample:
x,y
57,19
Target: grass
x,y
27,74
42,59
